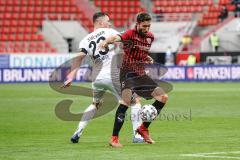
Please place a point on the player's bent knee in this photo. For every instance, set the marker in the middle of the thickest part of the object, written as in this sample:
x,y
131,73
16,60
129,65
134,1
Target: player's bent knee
x,y
157,92
97,104
164,98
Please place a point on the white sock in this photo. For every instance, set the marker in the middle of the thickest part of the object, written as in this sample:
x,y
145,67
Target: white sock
x,y
87,116
136,120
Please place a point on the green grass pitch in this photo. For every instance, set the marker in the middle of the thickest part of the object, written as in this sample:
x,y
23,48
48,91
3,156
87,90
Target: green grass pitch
x,y
199,118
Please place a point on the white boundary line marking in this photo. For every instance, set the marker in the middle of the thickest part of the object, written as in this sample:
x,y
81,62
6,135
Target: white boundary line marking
x,y
206,89
214,155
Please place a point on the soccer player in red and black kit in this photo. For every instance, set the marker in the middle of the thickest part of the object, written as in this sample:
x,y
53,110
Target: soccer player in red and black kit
x,y
132,74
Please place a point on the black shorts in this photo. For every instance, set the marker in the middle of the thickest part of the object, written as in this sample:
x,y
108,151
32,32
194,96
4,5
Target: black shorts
x,y
142,85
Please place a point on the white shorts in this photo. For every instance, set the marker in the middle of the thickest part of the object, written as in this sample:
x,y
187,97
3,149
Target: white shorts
x,y
100,86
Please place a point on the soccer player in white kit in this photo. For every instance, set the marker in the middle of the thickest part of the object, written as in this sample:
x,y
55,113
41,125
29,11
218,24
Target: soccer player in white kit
x,y
104,80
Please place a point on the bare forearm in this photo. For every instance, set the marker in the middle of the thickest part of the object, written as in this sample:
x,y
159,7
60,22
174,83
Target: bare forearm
x,y
76,62
110,40
113,39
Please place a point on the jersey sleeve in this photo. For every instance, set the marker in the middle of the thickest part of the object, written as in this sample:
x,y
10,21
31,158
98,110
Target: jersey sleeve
x,y
83,47
126,35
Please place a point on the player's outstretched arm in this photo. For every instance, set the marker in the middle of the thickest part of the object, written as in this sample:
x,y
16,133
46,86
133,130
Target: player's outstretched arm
x,y
76,62
109,40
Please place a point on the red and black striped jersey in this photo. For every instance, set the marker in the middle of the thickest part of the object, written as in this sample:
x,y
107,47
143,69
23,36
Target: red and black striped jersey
x,y
136,50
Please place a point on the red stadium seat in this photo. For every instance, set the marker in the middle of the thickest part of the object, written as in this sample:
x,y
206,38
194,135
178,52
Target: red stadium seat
x,y
38,16
157,3
2,3
30,15
16,9
224,2
195,3
59,3
231,7
65,17
66,3
180,6
171,3
31,9
21,29
119,7
214,9
73,10
45,3
97,3
23,9
20,20
31,2
184,9
9,2
214,21
13,23
66,9
199,8
2,9
210,2
9,8
168,10
164,3
177,9
38,9
15,15
186,3
37,23
14,29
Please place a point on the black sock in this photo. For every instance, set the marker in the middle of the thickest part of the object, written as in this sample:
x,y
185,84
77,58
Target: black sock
x,y
119,119
158,105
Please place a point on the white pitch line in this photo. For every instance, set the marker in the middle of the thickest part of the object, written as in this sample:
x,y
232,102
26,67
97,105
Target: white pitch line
x,y
234,152
205,156
214,155
206,89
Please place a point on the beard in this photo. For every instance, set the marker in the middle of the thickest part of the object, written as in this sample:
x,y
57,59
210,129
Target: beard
x,y
142,33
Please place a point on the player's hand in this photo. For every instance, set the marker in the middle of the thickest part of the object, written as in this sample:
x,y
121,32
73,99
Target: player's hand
x,y
67,83
103,45
150,60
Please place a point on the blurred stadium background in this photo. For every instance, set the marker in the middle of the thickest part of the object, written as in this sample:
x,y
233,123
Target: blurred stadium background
x,y
45,33
36,36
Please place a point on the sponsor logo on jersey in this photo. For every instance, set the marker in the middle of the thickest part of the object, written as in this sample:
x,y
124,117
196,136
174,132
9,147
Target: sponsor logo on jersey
x,y
149,40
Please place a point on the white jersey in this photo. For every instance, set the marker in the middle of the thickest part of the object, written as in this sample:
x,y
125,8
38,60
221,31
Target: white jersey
x,y
101,58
